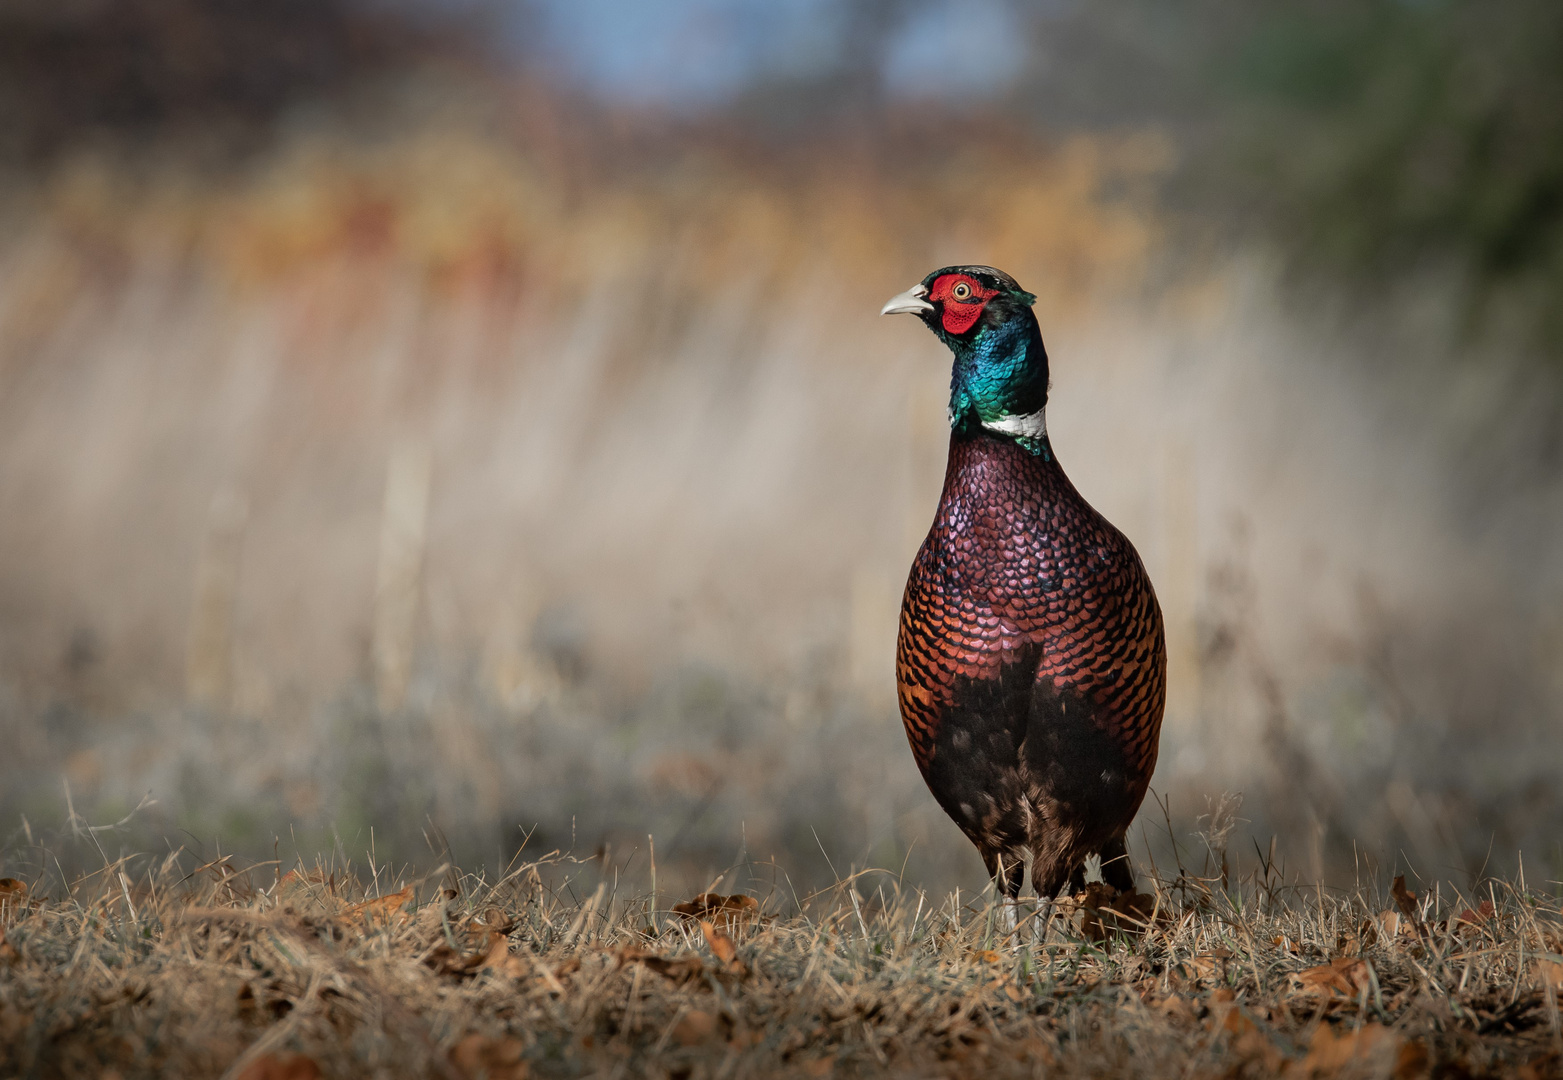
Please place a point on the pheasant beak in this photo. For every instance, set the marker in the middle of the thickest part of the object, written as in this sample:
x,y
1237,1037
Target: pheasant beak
x,y
910,302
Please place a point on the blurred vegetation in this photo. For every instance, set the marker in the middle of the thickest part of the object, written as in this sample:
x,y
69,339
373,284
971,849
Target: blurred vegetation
x,y
375,244
134,70
1375,139
1380,138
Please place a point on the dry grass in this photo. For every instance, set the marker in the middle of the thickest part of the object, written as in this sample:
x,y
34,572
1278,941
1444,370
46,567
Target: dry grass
x,y
562,968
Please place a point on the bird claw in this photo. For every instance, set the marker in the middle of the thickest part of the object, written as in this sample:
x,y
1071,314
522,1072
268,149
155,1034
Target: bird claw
x,y
1009,916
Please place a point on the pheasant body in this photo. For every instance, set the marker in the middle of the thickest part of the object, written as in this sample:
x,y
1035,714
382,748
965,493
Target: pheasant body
x,y
1031,663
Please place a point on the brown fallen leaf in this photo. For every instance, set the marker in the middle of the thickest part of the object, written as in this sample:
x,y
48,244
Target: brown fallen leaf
x,y
1482,914
1177,1007
13,891
1549,973
1330,1052
735,908
680,970
293,878
1547,1066
383,909
1225,1015
1347,976
1405,899
281,1067
311,883
1412,1062
721,943
444,960
482,1058
695,1026
1108,911
1382,927
1203,966
497,957
1245,1038
492,921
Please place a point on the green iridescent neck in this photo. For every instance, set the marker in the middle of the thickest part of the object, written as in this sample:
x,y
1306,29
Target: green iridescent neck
x,y
999,383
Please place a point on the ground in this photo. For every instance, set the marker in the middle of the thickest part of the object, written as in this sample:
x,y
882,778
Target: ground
x,y
557,969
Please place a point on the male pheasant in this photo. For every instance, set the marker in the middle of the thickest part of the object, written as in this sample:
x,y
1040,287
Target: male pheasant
x,y
1031,664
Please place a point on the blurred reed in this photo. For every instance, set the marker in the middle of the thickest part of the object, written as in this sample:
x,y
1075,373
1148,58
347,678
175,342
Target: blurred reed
x,y
209,654
605,479
399,582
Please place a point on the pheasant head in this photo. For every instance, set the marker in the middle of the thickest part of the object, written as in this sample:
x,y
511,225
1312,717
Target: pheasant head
x,y
999,379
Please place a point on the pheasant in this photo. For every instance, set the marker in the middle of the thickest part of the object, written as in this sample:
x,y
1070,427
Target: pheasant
x,y
1031,663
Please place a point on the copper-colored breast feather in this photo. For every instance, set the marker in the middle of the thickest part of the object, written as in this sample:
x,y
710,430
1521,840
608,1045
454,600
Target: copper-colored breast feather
x,y
1022,604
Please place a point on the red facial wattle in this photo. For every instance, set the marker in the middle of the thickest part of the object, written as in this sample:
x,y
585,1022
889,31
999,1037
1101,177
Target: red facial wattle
x,y
961,299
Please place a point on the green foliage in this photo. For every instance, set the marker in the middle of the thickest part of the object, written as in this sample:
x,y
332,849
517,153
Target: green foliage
x,y
1385,136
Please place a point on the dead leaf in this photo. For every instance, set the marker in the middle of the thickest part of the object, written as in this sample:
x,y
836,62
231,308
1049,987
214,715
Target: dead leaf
x,y
1405,899
1209,965
444,960
1179,1008
714,906
1108,911
13,891
1384,926
721,944
1482,914
281,1067
680,970
694,1027
1225,1015
1284,943
383,909
1547,1066
8,953
312,884
1330,1052
1412,1062
482,1058
1347,976
498,958
1246,1040
493,921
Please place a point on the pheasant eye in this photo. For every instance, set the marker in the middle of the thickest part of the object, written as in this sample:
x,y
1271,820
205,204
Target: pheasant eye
x,y
962,291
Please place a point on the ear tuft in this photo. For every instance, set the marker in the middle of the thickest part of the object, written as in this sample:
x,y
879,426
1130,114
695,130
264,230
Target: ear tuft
x,y
1024,297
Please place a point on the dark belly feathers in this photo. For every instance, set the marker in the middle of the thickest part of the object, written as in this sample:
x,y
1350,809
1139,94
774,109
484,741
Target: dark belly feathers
x,y
1031,664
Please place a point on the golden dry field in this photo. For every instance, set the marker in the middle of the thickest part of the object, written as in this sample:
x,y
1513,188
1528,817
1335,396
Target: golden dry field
x,y
566,968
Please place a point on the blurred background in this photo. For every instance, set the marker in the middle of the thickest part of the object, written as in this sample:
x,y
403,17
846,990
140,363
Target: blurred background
x,y
456,428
